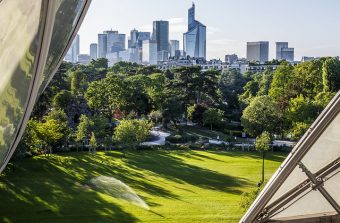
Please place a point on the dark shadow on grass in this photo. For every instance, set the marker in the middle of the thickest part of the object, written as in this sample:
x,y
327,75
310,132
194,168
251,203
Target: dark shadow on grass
x,y
41,191
172,168
271,156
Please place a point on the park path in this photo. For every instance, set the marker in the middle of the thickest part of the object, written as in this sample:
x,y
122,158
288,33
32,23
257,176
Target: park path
x,y
158,138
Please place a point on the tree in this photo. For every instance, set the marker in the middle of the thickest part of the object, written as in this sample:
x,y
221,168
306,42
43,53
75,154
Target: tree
x,y
63,99
212,116
265,82
93,142
322,100
280,89
184,86
100,126
132,132
331,75
156,90
134,96
261,115
105,95
195,113
262,144
83,128
100,63
301,110
250,91
231,84
172,109
77,83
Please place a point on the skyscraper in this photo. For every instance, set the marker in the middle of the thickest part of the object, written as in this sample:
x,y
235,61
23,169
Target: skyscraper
x,y
283,52
102,45
194,41
174,45
73,52
137,38
115,41
93,51
149,52
258,51
160,34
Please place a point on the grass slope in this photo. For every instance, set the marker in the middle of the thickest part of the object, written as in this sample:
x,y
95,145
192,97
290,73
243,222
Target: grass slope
x,y
179,186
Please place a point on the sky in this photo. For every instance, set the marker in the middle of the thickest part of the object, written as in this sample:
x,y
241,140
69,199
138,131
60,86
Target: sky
x,y
312,27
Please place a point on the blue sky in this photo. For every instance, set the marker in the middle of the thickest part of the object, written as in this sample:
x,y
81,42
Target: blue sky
x,y
312,27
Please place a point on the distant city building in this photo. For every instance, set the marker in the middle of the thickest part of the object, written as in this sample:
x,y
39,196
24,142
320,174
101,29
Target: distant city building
x,y
258,51
180,54
174,45
160,34
306,59
150,53
115,41
129,55
230,59
283,52
141,37
84,59
112,58
132,42
73,52
162,55
259,68
93,51
194,41
102,46
189,62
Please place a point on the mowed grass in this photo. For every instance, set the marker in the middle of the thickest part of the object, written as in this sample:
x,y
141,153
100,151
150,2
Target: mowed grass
x,y
179,186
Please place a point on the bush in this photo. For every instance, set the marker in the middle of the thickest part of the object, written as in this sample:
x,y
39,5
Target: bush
x,y
181,138
247,198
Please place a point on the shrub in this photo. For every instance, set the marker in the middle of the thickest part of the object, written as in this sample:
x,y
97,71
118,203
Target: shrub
x,y
181,138
247,198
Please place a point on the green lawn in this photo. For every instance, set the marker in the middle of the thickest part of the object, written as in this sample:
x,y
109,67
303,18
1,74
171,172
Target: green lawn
x,y
179,186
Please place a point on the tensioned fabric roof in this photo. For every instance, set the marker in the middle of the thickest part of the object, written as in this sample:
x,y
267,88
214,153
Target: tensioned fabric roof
x,y
306,187
34,38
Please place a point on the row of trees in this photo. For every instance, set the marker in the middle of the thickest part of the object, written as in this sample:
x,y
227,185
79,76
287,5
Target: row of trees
x,y
285,102
92,98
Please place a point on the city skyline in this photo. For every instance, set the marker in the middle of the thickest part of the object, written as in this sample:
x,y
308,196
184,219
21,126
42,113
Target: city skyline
x,y
229,24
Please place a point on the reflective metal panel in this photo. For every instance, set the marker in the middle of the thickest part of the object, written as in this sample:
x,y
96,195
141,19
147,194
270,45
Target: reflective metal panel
x,y
34,37
19,45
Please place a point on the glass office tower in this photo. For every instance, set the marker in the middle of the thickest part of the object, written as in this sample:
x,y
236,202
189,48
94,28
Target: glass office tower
x,y
35,36
258,51
194,41
160,34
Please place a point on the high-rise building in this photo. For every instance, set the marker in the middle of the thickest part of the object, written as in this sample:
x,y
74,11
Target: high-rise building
x,y
150,52
132,42
174,45
93,51
162,55
115,41
230,59
102,45
137,38
160,34
194,41
141,37
283,52
84,59
73,52
258,51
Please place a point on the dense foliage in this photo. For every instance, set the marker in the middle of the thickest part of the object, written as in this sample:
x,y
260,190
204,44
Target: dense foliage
x,y
105,101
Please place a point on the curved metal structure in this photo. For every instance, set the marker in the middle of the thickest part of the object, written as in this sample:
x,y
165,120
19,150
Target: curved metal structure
x,y
306,187
34,38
